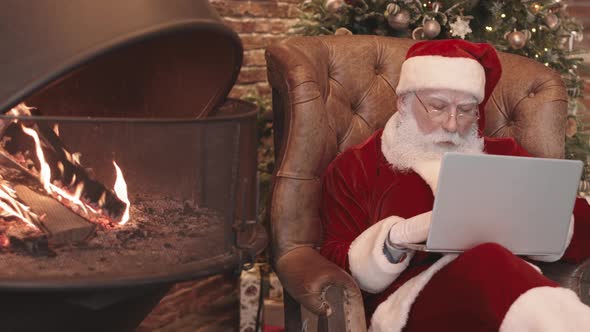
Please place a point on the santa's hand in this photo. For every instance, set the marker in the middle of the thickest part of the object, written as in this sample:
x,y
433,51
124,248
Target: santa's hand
x,y
412,230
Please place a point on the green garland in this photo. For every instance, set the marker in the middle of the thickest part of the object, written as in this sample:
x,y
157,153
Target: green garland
x,y
541,30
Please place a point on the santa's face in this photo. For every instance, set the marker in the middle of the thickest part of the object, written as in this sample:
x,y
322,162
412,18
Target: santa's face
x,y
447,110
412,137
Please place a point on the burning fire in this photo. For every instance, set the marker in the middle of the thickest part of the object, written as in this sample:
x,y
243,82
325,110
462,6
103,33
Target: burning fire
x,y
45,172
45,176
11,207
121,191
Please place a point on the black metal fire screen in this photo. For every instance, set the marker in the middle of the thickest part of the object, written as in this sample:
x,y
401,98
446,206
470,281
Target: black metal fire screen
x,y
181,181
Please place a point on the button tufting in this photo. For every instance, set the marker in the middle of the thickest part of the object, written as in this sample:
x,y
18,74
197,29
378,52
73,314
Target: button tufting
x,y
531,95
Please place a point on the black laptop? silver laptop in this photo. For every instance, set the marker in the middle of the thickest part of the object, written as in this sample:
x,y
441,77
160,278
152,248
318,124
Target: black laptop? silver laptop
x,y
523,204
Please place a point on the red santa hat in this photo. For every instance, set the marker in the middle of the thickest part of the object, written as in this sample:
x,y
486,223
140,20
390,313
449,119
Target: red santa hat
x,y
453,64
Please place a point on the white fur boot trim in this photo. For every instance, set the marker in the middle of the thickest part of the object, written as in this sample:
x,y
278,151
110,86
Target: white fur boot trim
x,y
392,314
547,309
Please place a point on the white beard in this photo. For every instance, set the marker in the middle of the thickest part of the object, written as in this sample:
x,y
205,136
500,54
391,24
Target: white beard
x,y
404,146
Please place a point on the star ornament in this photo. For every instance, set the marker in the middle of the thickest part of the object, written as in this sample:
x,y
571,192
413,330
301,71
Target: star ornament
x,y
460,28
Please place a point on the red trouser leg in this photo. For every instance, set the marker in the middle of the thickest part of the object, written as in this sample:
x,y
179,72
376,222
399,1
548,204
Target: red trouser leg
x,y
473,292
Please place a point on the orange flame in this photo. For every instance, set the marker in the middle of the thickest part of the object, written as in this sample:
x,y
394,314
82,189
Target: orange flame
x,y
10,206
20,109
13,208
45,174
121,192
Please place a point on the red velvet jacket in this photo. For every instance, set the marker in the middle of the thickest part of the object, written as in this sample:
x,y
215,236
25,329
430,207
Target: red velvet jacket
x,y
360,188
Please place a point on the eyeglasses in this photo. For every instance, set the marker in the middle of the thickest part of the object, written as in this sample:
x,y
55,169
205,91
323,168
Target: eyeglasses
x,y
441,115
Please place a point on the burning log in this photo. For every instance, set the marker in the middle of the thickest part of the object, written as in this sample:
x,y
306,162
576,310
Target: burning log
x,y
64,167
61,224
56,226
44,185
14,235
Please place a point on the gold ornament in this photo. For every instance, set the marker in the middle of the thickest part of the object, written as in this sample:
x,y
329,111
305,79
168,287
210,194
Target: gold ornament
x,y
431,29
517,39
334,5
552,21
392,9
399,21
536,7
342,32
571,127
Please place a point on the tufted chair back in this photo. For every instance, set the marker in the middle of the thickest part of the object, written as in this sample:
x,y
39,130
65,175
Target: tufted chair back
x,y
332,92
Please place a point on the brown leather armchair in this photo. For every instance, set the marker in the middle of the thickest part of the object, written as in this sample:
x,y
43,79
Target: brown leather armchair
x,y
332,92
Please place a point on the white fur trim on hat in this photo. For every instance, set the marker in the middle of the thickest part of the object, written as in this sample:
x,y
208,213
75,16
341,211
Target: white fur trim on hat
x,y
368,264
439,72
547,309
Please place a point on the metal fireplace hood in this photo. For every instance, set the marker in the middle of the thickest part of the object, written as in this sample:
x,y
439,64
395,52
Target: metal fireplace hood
x,y
44,41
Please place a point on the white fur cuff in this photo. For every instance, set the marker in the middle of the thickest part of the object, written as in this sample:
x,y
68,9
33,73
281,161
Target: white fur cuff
x,y
368,264
547,309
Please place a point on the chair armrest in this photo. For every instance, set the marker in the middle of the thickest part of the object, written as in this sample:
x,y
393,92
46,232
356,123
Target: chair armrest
x,y
311,279
573,276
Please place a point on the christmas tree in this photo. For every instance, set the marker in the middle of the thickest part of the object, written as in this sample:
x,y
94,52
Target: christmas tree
x,y
541,30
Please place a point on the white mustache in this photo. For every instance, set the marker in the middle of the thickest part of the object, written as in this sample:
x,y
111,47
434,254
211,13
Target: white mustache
x,y
442,136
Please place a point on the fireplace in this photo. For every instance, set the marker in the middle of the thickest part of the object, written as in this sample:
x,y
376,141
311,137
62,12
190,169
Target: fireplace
x,y
123,166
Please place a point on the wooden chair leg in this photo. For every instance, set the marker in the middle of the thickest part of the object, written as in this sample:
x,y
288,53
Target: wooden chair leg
x,y
292,313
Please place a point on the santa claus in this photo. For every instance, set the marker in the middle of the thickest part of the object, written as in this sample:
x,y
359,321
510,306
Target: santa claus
x,y
380,193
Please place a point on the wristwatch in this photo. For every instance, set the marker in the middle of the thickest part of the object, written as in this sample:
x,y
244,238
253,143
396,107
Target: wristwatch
x,y
393,253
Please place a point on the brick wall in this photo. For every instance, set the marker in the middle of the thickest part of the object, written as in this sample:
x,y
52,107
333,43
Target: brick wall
x,y
261,22
258,23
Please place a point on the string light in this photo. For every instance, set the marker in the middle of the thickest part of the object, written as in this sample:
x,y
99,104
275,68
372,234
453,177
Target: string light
x,y
489,28
536,56
547,64
545,49
534,30
503,15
